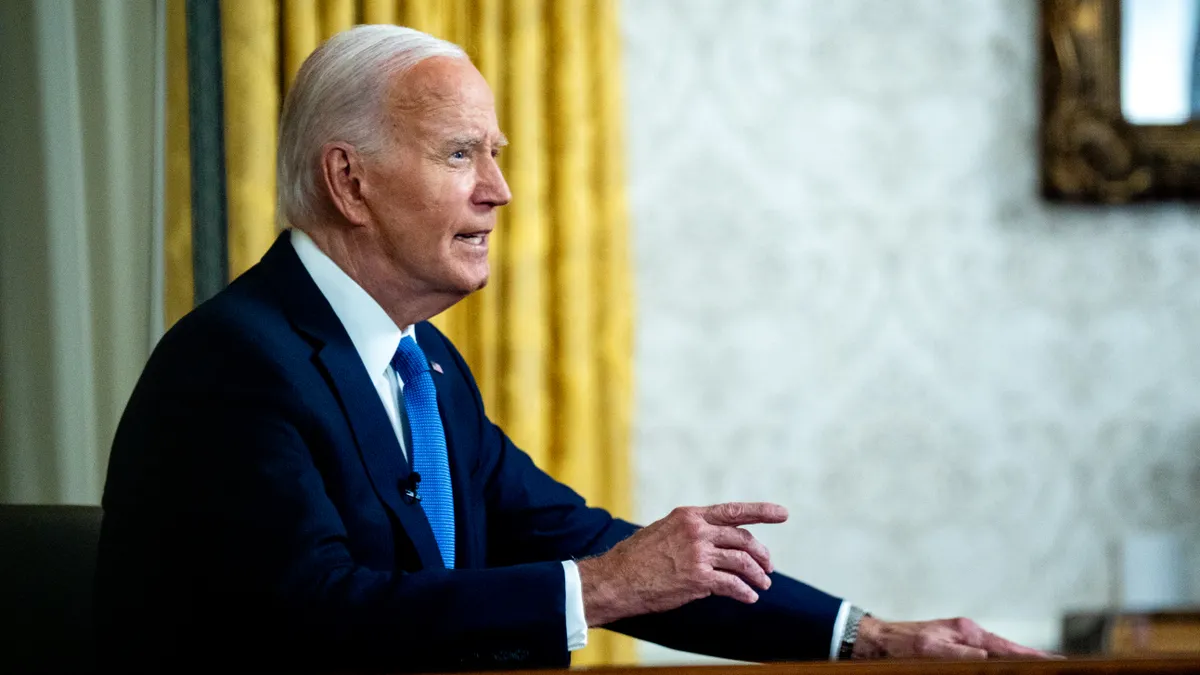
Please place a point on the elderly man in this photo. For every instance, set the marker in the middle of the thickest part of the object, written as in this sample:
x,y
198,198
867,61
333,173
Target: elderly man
x,y
305,478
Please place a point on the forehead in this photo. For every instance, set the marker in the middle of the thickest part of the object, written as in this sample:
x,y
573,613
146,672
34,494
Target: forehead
x,y
443,91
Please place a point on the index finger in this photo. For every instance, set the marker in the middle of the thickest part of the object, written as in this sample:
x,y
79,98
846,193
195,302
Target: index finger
x,y
744,513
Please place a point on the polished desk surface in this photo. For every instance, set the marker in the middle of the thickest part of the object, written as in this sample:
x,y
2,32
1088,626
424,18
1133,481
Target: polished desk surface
x,y
1073,666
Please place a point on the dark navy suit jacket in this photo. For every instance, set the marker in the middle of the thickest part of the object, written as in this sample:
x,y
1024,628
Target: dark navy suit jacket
x,y
254,516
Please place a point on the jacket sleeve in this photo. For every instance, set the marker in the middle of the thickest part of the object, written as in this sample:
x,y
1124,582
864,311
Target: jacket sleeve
x,y
533,517
791,621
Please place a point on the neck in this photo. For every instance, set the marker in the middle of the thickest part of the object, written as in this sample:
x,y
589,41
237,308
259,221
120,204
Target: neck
x,y
364,261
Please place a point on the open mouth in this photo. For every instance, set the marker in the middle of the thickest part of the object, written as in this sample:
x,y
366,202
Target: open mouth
x,y
473,238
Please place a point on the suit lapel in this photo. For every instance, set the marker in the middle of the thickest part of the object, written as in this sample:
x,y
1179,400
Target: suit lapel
x,y
377,445
343,369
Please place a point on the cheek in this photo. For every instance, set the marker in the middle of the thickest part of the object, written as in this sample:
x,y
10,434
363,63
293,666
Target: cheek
x,y
452,201
429,207
460,189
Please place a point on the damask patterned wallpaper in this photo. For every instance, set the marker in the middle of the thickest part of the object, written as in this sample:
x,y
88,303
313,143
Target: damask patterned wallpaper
x,y
852,301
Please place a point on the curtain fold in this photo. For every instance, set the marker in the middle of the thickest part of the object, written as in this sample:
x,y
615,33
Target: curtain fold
x,y
550,339
250,53
78,207
179,287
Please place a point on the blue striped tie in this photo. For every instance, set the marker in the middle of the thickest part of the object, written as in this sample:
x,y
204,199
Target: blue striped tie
x,y
429,457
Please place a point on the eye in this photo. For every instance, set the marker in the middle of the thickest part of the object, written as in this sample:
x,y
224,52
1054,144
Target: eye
x,y
495,152
459,154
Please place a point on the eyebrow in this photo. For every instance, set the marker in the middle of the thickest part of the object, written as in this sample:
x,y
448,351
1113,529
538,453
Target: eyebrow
x,y
474,141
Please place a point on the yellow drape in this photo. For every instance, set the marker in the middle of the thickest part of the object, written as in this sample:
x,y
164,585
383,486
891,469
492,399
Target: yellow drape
x,y
549,340
177,220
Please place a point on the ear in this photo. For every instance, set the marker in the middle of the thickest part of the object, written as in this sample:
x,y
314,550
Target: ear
x,y
342,172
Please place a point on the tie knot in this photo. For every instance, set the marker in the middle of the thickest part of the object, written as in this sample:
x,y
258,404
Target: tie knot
x,y
409,361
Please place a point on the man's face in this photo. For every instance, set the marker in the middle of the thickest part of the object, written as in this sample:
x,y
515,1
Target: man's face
x,y
434,191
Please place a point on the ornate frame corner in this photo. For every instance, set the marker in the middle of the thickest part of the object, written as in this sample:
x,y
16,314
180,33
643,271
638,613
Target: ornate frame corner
x,y
1089,153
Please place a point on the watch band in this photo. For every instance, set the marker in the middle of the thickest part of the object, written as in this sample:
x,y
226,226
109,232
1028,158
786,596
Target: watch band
x,y
850,634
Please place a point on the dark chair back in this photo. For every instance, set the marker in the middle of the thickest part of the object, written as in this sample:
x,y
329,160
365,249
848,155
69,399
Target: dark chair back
x,y
47,567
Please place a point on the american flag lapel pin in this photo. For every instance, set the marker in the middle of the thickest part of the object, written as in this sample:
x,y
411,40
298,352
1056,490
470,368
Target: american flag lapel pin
x,y
437,367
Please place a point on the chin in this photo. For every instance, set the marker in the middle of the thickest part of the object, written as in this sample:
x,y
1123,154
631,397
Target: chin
x,y
471,281
478,283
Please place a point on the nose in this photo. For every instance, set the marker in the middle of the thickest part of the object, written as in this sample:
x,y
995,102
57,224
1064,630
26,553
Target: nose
x,y
491,188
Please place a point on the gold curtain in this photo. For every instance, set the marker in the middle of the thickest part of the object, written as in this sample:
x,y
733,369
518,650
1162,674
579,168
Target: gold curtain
x,y
549,340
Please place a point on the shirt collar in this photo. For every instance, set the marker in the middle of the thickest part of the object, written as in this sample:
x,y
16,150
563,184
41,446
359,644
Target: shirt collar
x,y
374,334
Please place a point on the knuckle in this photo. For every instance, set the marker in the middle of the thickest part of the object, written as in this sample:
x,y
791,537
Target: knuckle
x,y
737,589
962,625
924,644
759,551
763,554
693,525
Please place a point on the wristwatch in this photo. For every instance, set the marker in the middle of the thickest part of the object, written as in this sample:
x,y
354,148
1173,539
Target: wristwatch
x,y
850,635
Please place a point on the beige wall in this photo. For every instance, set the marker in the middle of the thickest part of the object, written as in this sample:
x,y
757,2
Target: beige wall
x,y
853,302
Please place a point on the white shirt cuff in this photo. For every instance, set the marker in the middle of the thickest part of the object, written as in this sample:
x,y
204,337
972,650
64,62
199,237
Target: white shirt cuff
x,y
839,630
577,632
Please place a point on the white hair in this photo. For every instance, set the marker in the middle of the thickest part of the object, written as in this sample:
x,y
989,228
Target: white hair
x,y
338,95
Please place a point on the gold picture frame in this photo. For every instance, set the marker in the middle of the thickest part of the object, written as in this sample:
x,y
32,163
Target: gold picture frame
x,y
1089,153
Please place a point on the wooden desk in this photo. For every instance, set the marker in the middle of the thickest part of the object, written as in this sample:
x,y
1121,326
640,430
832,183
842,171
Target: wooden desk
x,y
1118,634
1131,666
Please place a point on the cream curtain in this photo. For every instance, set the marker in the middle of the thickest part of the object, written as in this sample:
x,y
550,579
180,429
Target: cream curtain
x,y
78,306
550,339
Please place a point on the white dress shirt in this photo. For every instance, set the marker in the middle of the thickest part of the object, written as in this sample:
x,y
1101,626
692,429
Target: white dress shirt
x,y
376,337
839,630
